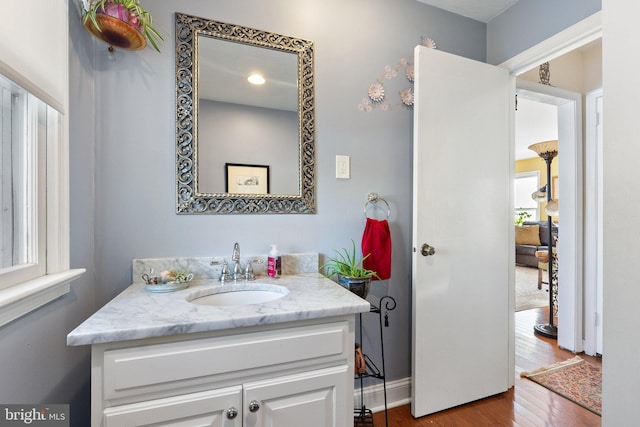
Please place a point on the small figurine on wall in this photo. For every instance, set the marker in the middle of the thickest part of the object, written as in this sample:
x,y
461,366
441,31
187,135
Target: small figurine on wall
x,y
545,74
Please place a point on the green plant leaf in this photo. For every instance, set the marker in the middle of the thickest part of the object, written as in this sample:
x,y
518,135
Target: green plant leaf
x,y
346,263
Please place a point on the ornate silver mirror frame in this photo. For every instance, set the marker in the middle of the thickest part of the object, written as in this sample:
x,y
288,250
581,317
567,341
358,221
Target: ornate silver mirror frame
x,y
189,199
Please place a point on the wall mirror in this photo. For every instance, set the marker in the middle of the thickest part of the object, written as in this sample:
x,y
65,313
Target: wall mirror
x,y
243,148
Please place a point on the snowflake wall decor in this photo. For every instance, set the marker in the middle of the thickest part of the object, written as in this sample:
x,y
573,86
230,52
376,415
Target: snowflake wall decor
x,y
409,72
376,92
406,96
428,42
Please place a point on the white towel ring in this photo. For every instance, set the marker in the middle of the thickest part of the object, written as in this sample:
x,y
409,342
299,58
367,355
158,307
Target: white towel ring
x,y
372,200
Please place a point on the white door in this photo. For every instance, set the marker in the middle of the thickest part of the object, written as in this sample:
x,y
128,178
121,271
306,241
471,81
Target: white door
x,y
462,302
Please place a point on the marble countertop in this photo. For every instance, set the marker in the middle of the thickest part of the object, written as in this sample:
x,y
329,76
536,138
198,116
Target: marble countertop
x,y
136,313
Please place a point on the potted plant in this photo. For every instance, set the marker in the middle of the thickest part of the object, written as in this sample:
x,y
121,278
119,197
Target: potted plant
x,y
121,23
521,218
349,270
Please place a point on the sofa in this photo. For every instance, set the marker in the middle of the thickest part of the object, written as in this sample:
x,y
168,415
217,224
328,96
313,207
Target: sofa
x,y
532,236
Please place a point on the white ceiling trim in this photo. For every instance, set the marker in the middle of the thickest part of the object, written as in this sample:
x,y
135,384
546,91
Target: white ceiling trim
x,y
480,10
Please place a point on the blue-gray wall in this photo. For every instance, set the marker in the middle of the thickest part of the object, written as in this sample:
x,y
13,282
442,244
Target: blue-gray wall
x,y
529,22
122,164
354,41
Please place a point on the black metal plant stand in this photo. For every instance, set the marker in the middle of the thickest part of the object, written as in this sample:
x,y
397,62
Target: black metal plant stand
x,y
362,415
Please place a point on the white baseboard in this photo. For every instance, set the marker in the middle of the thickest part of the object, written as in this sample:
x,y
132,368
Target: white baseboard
x,y
398,393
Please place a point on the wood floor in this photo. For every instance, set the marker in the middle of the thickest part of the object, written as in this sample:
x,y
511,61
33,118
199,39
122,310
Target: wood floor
x,y
527,404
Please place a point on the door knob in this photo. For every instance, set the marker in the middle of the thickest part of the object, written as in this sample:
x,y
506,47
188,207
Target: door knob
x,y
232,413
427,250
254,405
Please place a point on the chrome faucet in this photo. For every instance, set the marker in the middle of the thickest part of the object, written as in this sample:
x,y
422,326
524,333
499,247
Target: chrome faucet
x,y
224,273
248,271
238,273
237,268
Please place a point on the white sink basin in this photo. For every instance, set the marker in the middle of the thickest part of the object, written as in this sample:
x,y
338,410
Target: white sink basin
x,y
239,294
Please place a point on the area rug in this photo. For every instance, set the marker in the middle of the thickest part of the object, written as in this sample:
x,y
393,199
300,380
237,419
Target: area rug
x,y
528,295
575,379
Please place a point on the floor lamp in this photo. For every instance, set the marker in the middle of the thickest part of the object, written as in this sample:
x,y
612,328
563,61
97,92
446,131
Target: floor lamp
x,y
547,150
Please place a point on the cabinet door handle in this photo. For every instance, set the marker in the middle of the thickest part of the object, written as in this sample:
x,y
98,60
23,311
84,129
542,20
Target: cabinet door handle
x,y
254,405
232,413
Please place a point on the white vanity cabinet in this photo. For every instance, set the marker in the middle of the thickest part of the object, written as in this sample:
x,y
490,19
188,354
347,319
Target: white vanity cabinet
x,y
296,373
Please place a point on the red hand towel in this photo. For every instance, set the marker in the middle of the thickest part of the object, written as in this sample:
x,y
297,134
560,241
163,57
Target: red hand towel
x,y
376,240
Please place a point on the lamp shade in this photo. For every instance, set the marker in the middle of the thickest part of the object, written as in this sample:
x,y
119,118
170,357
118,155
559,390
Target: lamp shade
x,y
545,149
540,195
552,208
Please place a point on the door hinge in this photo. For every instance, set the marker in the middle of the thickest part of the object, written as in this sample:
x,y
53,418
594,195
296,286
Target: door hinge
x,y
597,319
516,102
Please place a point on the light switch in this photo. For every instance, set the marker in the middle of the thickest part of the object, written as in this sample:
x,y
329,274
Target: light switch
x,y
343,167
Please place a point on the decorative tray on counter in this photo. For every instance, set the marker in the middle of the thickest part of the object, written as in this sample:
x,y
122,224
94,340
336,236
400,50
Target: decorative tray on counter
x,y
167,281
166,287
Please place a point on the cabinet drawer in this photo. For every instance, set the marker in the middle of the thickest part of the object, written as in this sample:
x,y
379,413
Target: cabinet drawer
x,y
209,408
134,370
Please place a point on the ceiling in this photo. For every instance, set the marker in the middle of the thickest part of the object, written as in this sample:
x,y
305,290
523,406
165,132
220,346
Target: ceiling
x,y
223,68
480,10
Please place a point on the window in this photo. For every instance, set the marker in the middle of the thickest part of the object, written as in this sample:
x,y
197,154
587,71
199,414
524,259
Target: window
x,y
525,185
34,153
27,125
34,227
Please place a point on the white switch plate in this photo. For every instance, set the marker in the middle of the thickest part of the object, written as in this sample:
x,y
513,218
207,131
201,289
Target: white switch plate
x,y
343,167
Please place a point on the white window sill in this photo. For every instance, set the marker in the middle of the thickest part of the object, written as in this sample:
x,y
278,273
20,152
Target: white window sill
x,y
21,299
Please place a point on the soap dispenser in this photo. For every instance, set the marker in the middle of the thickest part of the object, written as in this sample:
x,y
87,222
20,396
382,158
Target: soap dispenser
x,y
274,262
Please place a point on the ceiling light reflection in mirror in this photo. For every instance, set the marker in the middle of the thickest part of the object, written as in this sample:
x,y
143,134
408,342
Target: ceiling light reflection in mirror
x,y
256,79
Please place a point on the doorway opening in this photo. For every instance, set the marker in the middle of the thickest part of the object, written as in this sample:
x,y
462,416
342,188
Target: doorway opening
x,y
578,242
535,121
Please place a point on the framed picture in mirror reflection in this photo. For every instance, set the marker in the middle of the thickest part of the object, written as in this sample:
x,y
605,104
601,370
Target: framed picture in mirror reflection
x,y
246,179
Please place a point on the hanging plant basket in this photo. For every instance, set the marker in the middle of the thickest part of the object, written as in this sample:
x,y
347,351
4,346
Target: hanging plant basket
x,y
120,23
